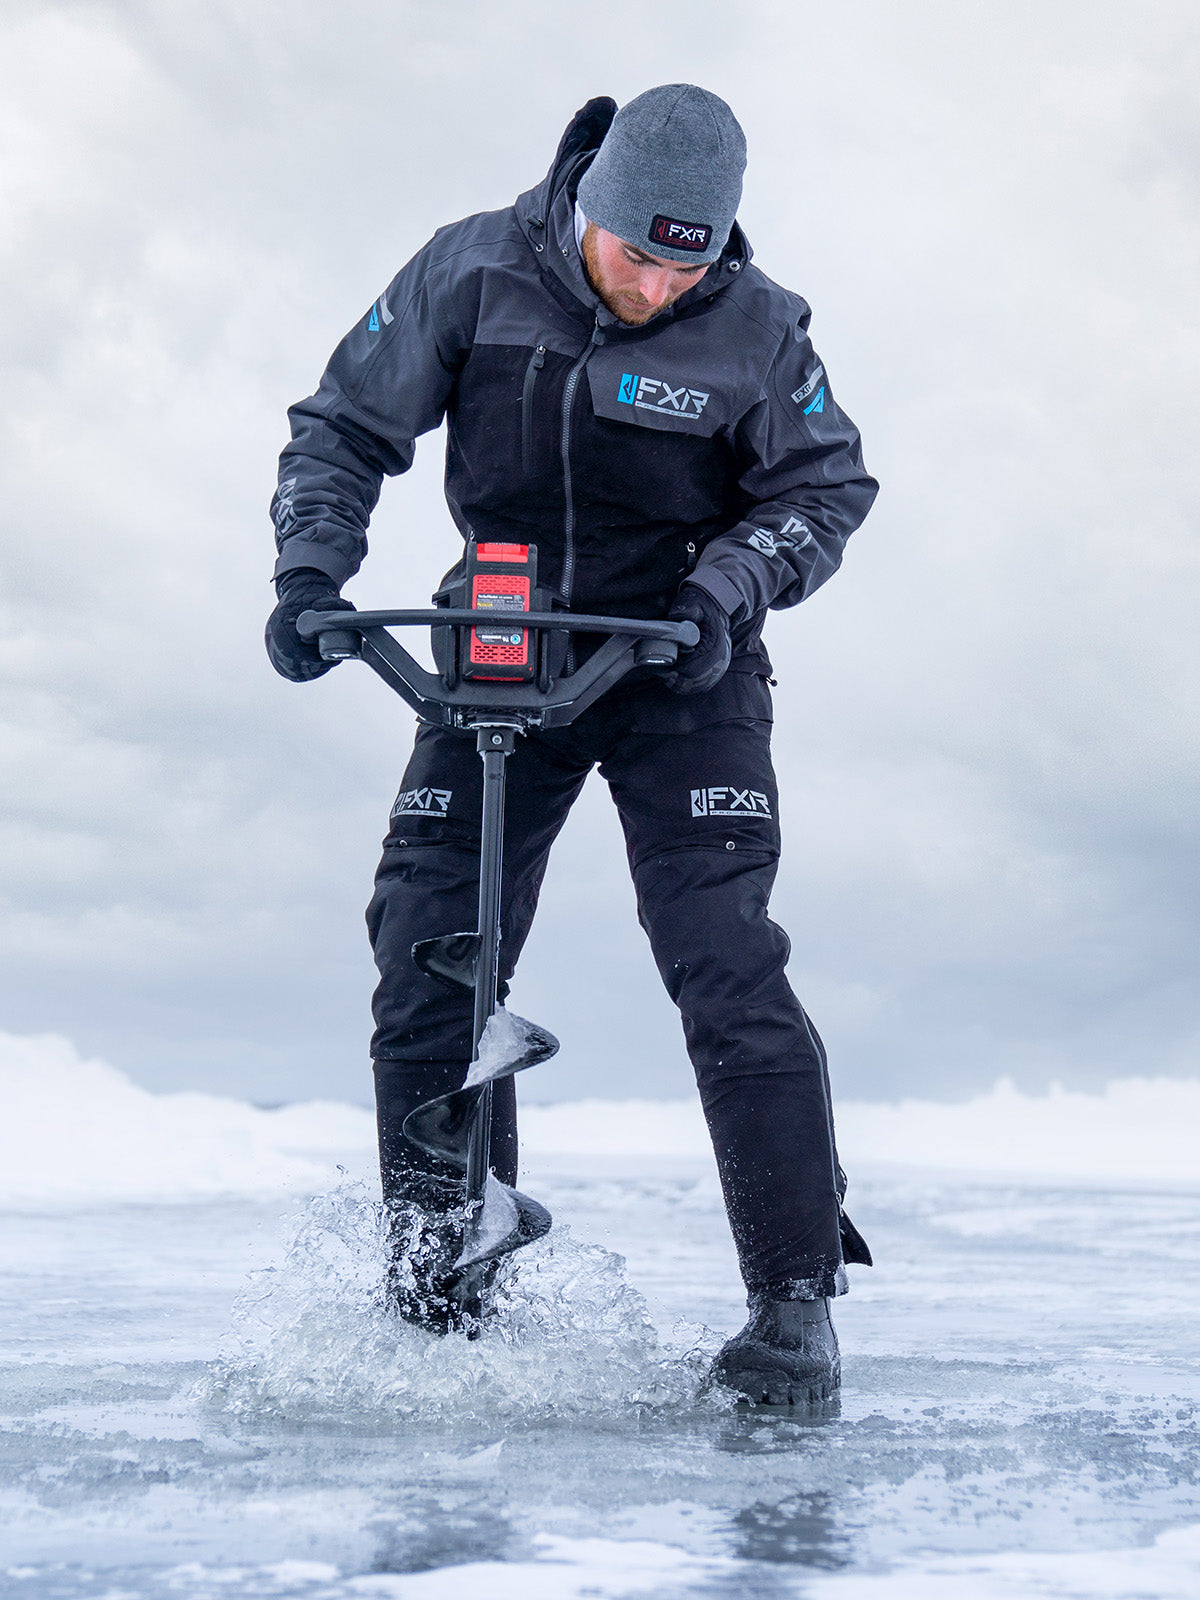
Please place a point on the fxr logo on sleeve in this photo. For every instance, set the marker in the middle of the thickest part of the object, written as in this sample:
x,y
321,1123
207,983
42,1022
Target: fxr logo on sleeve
x,y
422,802
285,509
725,801
795,533
379,310
801,394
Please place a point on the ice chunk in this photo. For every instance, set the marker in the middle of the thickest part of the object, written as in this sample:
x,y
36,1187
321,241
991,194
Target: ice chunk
x,y
505,1040
496,1221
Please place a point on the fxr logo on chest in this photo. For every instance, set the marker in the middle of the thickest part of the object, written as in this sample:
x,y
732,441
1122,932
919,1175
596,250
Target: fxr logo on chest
x,y
656,394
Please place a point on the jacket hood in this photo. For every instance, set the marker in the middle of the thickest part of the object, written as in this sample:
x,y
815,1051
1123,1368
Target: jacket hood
x,y
545,215
583,137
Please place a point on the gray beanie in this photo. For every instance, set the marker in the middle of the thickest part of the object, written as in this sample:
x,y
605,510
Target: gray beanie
x,y
668,176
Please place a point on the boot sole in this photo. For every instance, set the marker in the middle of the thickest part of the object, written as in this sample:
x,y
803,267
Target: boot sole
x,y
769,1385
767,1389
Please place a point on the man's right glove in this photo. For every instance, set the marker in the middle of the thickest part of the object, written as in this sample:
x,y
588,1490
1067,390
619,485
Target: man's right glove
x,y
302,589
703,666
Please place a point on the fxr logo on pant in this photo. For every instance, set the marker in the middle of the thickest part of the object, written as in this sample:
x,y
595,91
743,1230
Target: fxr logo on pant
x,y
422,802
724,801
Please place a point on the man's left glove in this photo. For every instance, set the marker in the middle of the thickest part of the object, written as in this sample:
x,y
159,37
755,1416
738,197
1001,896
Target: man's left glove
x,y
302,589
703,666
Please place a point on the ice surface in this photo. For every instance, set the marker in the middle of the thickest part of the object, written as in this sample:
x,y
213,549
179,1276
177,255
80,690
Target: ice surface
x,y
204,1397
561,1568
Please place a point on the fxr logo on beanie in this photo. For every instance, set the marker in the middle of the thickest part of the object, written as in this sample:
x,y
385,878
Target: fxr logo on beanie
x,y
680,235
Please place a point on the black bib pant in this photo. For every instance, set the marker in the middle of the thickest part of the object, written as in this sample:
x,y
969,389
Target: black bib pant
x,y
695,790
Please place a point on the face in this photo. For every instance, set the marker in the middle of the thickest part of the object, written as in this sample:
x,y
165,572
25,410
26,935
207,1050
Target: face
x,y
633,284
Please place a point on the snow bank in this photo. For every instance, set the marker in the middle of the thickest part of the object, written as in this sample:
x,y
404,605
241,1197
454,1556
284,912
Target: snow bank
x,y
1146,1129
671,1128
79,1131
74,1130
1136,1129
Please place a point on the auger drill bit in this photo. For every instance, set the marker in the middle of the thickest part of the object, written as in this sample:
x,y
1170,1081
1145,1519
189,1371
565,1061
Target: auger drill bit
x,y
501,1219
456,1127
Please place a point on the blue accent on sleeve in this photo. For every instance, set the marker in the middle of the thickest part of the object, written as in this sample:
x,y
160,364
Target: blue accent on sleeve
x,y
817,403
373,323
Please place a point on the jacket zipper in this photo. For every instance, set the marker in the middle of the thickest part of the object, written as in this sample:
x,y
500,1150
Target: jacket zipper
x,y
536,363
568,566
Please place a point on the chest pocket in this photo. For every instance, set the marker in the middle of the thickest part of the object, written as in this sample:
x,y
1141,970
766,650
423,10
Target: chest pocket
x,y
652,393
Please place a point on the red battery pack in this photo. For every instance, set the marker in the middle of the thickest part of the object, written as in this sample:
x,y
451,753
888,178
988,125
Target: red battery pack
x,y
500,578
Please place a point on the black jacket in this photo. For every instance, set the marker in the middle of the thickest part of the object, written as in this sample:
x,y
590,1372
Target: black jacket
x,y
704,444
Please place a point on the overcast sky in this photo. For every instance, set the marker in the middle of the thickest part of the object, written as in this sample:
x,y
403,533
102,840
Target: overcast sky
x,y
986,723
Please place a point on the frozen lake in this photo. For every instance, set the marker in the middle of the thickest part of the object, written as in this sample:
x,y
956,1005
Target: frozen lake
x,y
192,1407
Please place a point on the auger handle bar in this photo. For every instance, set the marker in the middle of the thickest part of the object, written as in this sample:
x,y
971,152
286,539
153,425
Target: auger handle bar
x,y
343,635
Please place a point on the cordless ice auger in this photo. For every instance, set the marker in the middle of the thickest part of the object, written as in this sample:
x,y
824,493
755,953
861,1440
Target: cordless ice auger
x,y
500,651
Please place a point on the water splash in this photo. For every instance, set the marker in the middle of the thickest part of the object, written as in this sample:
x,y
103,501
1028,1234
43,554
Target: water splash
x,y
313,1342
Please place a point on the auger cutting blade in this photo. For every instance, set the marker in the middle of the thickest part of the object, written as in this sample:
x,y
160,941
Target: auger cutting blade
x,y
505,1221
443,1126
451,958
509,1044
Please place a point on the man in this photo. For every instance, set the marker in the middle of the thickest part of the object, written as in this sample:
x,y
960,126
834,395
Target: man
x,y
624,390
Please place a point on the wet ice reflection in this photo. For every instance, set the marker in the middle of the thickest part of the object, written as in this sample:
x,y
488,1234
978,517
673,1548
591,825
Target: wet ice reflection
x,y
1021,1387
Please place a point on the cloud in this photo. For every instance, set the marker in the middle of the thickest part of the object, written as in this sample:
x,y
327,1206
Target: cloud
x,y
985,723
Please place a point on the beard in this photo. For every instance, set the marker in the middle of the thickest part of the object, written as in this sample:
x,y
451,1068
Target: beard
x,y
621,303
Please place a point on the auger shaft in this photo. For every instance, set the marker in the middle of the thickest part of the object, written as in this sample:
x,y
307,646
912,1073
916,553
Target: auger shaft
x,y
495,744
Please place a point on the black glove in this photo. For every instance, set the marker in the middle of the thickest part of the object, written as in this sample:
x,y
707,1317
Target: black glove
x,y
704,665
302,589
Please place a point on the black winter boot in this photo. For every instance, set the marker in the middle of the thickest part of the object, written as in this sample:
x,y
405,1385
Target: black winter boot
x,y
786,1355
